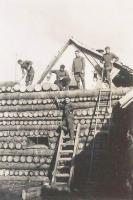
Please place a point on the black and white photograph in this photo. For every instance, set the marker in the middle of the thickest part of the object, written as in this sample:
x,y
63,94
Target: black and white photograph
x,y
66,100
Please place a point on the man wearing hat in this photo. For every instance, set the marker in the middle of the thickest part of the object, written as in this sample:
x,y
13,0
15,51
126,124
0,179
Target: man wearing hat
x,y
67,118
62,78
27,69
108,60
78,69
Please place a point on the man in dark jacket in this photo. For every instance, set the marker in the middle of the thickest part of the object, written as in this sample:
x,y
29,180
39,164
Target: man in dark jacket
x,y
108,60
68,116
78,69
62,78
27,69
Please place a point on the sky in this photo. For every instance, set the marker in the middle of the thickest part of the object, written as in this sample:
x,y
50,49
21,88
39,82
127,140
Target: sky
x,y
37,29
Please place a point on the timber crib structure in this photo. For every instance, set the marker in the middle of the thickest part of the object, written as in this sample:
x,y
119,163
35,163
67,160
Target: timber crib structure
x,y
32,149
30,142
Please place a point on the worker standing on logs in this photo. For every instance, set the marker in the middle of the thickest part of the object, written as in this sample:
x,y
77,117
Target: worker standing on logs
x,y
108,60
62,78
78,69
67,118
27,70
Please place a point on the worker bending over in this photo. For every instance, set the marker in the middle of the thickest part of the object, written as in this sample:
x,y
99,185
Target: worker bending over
x,y
108,60
62,78
78,69
27,70
67,118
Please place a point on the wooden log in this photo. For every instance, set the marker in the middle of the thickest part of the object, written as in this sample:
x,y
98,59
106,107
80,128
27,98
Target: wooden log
x,y
18,108
4,159
16,173
18,146
16,87
28,127
46,86
6,172
1,134
23,88
82,121
30,88
29,159
3,88
1,115
11,145
24,178
11,172
31,173
5,114
54,87
41,173
8,89
16,159
20,173
36,173
5,145
22,159
36,159
48,161
71,94
24,102
5,134
23,166
42,160
30,102
38,88
9,158
84,112
81,146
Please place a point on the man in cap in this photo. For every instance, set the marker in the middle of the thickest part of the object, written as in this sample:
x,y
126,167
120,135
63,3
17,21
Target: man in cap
x,y
67,118
108,60
78,69
62,78
27,69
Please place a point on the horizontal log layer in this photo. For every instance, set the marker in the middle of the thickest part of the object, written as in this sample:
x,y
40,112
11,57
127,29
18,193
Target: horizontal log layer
x,y
16,135
48,116
24,166
24,178
29,127
9,172
49,101
25,159
81,120
45,108
60,94
27,152
46,127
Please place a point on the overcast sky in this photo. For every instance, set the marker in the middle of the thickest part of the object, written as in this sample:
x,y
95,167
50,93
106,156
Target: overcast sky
x,y
36,29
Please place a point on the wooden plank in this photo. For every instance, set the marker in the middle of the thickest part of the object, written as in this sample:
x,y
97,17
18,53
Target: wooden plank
x,y
74,154
57,158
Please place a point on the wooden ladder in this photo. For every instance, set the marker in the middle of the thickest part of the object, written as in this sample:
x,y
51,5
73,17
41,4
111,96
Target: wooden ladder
x,y
106,104
64,164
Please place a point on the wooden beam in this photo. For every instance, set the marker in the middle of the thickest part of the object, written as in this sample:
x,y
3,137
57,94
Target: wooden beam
x,y
52,63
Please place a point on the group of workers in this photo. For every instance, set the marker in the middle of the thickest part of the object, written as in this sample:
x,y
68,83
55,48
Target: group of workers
x,y
78,70
63,81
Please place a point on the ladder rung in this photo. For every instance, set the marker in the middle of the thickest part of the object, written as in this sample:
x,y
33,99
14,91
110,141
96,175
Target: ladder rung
x,y
63,167
66,136
65,159
66,151
62,175
61,183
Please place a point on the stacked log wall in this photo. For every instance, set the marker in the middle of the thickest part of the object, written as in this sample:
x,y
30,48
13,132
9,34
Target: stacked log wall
x,y
34,114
